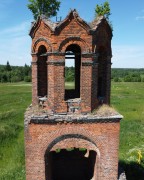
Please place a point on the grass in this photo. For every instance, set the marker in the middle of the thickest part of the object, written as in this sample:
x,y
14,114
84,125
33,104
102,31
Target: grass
x,y
127,98
13,101
69,85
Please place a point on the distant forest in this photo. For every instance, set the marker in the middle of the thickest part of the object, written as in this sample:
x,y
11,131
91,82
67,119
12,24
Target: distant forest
x,y
127,75
117,74
10,73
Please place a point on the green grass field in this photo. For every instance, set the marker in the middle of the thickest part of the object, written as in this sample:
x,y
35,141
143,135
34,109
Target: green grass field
x,y
127,98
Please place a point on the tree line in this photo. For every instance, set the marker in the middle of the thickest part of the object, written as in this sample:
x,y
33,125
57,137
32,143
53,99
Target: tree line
x,y
117,74
127,75
10,73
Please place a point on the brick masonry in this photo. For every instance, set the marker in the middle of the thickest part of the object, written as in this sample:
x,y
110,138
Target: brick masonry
x,y
54,125
95,44
100,134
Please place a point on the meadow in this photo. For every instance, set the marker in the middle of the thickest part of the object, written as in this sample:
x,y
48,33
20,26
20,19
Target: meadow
x,y
126,97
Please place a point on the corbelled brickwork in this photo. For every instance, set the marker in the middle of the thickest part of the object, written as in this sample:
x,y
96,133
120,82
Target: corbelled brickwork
x,y
50,41
60,120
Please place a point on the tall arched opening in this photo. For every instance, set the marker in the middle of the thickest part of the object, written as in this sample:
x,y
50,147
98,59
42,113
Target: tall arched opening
x,y
73,59
42,71
102,74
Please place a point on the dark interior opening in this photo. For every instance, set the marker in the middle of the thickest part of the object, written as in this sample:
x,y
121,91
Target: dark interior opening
x,y
73,53
102,74
75,164
42,72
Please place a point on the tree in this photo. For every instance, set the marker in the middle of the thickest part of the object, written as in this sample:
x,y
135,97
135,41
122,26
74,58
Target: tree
x,y
8,67
127,78
116,79
48,8
103,10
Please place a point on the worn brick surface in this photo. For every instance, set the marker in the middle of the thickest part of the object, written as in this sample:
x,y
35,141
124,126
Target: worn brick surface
x,y
50,41
95,68
100,137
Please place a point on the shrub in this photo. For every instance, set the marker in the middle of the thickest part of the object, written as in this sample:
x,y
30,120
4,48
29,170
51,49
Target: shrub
x,y
27,78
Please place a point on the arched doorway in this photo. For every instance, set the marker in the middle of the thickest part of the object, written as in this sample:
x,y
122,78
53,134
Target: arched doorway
x,y
42,71
73,54
71,164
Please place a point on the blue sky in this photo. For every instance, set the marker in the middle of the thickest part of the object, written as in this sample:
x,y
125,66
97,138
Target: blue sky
x,y
127,19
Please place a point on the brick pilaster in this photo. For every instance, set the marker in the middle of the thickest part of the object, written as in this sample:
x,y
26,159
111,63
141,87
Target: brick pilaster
x,y
86,82
50,74
34,80
94,102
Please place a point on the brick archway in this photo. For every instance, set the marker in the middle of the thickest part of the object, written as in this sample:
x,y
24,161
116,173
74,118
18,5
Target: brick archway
x,y
39,42
74,40
73,139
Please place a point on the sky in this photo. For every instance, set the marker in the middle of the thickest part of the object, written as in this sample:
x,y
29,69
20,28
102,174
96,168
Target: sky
x,y
127,18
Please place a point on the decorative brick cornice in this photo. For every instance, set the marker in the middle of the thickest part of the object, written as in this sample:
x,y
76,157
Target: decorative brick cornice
x,y
87,63
55,53
87,55
56,62
34,54
84,119
33,63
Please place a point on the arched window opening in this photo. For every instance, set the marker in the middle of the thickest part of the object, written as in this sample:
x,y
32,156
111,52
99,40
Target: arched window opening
x,y
42,71
102,75
70,164
69,70
72,71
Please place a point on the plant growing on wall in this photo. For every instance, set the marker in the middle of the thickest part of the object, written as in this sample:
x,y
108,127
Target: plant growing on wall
x,y
103,10
48,8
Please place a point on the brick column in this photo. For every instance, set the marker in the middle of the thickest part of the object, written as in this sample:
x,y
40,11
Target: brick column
x,y
34,80
50,84
108,80
59,90
86,82
94,101
56,82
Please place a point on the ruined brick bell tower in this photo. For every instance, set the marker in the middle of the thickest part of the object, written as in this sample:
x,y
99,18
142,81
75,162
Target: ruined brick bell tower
x,y
64,139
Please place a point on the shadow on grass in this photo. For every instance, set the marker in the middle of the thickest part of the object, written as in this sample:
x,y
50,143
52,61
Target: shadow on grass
x,y
133,170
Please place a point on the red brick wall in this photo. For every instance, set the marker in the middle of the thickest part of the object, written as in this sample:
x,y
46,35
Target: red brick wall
x,y
101,137
71,33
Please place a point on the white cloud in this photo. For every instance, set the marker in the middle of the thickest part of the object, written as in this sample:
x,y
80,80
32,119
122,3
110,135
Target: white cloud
x,y
16,30
139,18
128,56
15,44
16,51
